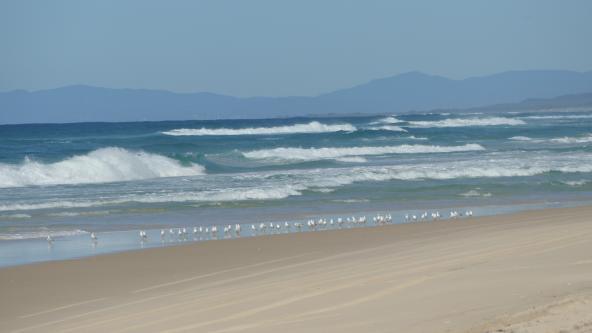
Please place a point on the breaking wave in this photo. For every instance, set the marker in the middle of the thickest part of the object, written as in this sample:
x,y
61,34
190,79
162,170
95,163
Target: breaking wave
x,y
520,138
387,120
568,139
388,128
314,154
465,122
312,127
561,140
576,183
272,185
567,116
99,166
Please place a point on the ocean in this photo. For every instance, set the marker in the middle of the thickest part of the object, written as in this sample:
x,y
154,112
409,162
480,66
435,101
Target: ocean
x,y
113,179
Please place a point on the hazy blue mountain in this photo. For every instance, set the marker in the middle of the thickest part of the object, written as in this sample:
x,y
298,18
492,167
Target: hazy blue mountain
x,y
412,91
572,101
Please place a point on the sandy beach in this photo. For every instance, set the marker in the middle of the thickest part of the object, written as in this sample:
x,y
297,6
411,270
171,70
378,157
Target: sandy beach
x,y
524,272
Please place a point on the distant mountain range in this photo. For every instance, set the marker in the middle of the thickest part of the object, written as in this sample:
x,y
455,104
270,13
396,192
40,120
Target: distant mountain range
x,y
407,92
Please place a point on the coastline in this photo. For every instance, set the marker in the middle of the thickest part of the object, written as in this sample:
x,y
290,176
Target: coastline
x,y
466,275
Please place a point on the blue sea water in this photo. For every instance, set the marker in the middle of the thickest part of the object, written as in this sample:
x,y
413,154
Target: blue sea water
x,y
67,180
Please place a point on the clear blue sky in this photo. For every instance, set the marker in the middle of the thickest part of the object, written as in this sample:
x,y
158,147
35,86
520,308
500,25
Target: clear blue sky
x,y
276,47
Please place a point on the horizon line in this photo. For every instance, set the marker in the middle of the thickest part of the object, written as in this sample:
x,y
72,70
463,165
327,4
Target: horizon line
x,y
85,85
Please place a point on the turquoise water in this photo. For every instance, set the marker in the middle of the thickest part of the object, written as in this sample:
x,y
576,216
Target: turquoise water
x,y
66,180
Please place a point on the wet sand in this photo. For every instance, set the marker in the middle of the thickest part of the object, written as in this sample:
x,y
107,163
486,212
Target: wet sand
x,y
523,272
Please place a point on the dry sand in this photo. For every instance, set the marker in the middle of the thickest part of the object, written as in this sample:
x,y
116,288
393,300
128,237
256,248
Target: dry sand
x,y
525,272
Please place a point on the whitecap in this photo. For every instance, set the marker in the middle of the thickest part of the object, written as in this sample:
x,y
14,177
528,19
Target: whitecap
x,y
388,128
520,138
569,116
575,183
466,122
351,159
313,154
387,120
312,127
570,140
475,193
351,200
279,184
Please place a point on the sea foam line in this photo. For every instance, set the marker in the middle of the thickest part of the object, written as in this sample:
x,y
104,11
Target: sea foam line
x,y
40,234
312,154
467,122
312,127
388,128
567,116
561,140
569,139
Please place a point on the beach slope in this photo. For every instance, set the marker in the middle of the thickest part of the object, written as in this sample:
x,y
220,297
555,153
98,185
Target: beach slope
x,y
524,272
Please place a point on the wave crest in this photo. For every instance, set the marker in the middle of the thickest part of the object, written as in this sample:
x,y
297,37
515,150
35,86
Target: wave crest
x,y
312,127
567,116
569,139
388,128
520,138
99,166
387,120
466,122
273,185
315,154
561,140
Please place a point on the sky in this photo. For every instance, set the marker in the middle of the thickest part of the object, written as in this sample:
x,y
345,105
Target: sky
x,y
281,48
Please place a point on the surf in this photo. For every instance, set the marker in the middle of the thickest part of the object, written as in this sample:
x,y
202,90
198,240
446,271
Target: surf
x,y
312,154
312,127
467,122
103,165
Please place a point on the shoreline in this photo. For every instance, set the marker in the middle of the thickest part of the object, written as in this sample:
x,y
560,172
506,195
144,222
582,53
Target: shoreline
x,y
457,276
77,245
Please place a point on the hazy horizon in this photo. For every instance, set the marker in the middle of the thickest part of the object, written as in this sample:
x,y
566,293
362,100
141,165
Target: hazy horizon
x,y
315,95
266,48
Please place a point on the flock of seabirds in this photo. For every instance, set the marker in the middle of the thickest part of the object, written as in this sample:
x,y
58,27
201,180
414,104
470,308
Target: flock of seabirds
x,y
229,231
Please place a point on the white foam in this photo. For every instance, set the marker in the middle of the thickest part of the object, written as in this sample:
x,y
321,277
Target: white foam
x,y
575,183
561,140
466,122
278,184
520,138
351,200
279,191
99,166
312,127
352,159
475,193
388,128
322,190
387,120
471,193
83,213
314,154
15,216
567,116
570,140
40,234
